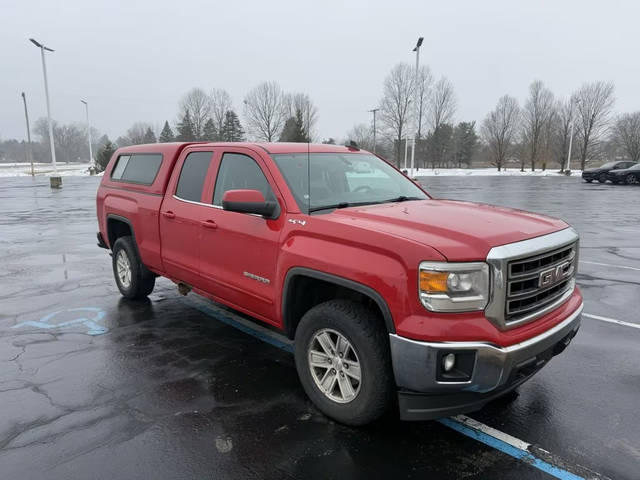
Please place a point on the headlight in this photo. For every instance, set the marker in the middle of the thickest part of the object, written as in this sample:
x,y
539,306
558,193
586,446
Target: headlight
x,y
453,287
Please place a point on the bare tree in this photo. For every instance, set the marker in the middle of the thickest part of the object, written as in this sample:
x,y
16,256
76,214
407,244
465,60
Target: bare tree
x,y
561,130
594,103
136,134
221,103
627,134
500,129
265,111
423,94
536,116
442,104
198,103
394,106
301,102
362,135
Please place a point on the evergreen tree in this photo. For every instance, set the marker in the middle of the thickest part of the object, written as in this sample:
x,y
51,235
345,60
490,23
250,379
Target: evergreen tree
x,y
232,130
293,130
209,131
149,136
167,134
185,129
104,154
466,142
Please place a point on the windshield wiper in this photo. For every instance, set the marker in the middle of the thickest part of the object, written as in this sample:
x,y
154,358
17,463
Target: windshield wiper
x,y
401,198
330,207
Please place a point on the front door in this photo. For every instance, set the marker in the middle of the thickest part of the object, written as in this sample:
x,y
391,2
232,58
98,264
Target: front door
x,y
239,256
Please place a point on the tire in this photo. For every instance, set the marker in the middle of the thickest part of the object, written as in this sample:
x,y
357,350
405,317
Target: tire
x,y
588,180
139,281
369,345
602,178
630,179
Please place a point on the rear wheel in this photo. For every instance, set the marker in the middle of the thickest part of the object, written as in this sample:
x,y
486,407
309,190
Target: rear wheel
x,y
588,180
343,361
134,280
602,178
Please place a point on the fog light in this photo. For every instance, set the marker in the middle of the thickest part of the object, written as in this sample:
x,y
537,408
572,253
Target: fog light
x,y
448,362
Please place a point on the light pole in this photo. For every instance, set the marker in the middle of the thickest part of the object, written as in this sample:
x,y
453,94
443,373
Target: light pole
x,y
416,106
26,117
374,110
91,162
55,181
567,167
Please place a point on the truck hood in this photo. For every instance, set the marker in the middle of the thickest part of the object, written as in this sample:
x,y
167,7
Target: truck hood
x,y
461,231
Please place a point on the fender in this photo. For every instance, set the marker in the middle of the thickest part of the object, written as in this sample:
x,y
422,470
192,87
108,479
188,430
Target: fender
x,y
341,281
128,222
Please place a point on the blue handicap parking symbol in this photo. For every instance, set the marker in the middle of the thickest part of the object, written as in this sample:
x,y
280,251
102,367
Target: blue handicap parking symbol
x,y
90,319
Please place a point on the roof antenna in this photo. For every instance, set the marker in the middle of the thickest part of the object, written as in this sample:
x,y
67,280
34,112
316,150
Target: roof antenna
x,y
308,158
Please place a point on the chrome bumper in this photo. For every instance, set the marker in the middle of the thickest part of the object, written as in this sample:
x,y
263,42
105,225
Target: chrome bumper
x,y
416,365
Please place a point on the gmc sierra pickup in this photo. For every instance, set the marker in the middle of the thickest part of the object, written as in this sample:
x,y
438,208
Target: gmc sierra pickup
x,y
390,295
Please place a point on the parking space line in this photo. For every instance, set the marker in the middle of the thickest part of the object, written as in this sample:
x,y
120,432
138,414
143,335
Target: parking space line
x,y
626,267
519,449
611,320
514,447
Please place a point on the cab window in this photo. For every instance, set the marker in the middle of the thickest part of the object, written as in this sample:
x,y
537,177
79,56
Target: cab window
x,y
240,172
192,175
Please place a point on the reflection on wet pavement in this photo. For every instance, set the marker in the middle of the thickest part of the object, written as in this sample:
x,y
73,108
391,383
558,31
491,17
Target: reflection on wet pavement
x,y
169,392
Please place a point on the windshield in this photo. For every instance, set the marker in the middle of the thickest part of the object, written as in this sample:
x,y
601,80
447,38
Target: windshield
x,y
635,167
609,165
341,180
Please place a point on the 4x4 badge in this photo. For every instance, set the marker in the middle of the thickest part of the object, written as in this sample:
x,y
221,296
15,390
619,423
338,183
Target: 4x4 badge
x,y
295,221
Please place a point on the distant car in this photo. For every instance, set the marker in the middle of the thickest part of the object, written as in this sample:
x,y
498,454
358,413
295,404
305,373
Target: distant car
x,y
626,175
601,173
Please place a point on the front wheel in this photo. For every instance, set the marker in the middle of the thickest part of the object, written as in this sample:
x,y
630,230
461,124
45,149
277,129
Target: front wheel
x,y
132,277
602,178
588,180
343,361
631,179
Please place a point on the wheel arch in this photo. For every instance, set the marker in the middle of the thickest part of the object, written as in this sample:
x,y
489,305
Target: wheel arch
x,y
293,306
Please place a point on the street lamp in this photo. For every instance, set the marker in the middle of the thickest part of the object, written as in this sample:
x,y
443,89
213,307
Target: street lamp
x,y
91,162
374,110
26,117
416,106
55,181
567,167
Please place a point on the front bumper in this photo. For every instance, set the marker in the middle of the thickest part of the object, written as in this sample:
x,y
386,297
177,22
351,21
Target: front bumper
x,y
424,394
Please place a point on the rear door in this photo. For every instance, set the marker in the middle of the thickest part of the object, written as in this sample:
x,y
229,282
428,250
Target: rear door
x,y
183,214
239,256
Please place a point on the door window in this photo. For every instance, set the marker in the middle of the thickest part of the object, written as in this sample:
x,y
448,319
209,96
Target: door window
x,y
240,172
192,175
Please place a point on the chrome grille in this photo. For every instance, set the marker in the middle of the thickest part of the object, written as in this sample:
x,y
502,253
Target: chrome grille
x,y
537,281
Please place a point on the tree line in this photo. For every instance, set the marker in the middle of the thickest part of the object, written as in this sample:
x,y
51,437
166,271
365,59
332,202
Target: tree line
x,y
536,135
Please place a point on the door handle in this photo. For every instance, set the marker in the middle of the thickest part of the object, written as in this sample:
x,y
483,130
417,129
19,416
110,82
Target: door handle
x,y
209,224
169,214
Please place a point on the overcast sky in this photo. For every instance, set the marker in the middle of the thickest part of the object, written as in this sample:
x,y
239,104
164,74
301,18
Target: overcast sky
x,y
133,60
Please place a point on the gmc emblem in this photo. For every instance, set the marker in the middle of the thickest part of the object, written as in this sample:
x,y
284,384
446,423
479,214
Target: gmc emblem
x,y
555,274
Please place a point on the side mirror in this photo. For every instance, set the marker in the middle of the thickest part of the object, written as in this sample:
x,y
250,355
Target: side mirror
x,y
249,201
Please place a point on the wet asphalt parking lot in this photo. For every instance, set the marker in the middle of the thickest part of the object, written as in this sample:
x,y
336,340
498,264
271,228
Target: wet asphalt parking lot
x,y
93,386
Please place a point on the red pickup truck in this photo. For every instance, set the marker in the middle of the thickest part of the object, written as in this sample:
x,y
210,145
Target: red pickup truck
x,y
389,294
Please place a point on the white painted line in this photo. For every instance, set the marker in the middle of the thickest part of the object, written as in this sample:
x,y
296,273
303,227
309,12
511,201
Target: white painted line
x,y
505,437
530,454
626,267
611,320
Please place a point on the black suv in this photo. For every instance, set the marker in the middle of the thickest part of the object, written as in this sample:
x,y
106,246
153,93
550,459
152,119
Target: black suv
x,y
601,173
625,175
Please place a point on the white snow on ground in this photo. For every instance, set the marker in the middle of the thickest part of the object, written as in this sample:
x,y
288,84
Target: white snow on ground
x,y
22,169
485,172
